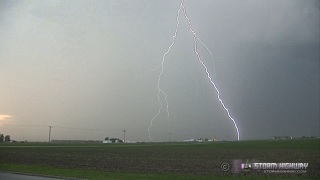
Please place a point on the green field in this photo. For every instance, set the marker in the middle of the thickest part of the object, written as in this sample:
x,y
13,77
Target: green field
x,y
158,160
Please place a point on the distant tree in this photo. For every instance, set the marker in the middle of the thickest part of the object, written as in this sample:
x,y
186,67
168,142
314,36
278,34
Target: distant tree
x,y
1,138
116,140
113,140
7,138
107,138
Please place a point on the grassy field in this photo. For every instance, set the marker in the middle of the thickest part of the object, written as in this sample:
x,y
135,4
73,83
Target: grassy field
x,y
158,160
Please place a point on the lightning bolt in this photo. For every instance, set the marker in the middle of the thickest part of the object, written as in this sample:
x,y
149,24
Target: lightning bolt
x,y
206,69
161,91
161,72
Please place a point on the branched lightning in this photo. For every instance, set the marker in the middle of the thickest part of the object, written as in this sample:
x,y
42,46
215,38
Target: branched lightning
x,y
161,91
206,69
161,72
214,66
205,46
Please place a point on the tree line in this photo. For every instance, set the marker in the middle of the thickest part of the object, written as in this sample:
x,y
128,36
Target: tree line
x,y
4,138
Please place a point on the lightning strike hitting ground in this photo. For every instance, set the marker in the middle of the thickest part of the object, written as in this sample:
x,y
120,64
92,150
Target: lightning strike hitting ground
x,y
206,69
160,74
195,38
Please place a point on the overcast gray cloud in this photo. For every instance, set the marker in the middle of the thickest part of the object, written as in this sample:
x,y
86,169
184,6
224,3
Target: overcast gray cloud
x,y
87,69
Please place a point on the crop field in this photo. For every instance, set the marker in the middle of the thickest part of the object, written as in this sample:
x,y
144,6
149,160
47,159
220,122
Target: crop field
x,y
182,159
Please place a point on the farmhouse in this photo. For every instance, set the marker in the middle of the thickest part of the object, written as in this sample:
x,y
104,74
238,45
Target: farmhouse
x,y
112,140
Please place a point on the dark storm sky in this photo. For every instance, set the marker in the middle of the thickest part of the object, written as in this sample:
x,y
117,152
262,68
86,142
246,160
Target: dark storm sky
x,y
87,69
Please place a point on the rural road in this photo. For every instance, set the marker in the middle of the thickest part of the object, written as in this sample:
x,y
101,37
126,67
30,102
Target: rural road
x,y
12,176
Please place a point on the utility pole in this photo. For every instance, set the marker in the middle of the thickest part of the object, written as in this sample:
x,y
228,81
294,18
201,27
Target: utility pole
x,y
50,133
124,135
